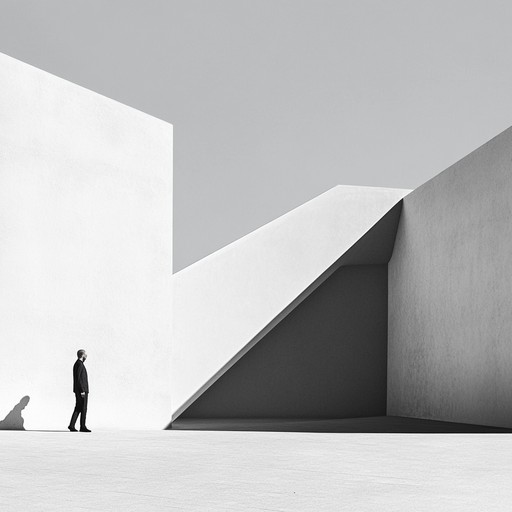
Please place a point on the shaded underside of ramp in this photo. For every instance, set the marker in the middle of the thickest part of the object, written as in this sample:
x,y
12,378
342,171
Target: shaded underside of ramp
x,y
326,359
323,356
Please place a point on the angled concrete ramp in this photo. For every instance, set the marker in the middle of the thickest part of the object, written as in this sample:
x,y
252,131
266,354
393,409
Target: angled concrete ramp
x,y
227,302
327,358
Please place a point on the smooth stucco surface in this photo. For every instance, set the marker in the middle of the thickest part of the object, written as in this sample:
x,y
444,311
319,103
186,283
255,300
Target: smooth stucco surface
x,y
226,302
85,252
450,294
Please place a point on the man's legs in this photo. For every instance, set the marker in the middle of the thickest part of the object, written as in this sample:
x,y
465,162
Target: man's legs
x,y
83,412
80,409
77,411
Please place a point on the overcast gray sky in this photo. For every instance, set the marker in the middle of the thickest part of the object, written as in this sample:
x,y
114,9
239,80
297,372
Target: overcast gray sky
x,y
275,101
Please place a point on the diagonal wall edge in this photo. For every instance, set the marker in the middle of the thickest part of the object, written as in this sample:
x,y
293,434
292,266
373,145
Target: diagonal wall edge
x,y
220,301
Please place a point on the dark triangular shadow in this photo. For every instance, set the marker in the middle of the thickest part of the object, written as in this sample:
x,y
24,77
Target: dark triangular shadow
x,y
329,345
375,247
326,359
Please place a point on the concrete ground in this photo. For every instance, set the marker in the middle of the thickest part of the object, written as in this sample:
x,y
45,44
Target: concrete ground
x,y
251,470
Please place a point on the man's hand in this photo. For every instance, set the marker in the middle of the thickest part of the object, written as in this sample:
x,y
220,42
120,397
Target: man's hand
x,y
83,393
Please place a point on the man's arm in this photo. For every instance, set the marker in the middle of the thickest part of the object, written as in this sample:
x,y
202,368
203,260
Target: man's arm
x,y
80,378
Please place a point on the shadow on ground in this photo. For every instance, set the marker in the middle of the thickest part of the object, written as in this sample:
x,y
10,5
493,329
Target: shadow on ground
x,y
377,424
14,420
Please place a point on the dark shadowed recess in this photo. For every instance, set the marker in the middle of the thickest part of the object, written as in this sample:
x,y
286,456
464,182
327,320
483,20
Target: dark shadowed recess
x,y
327,357
323,366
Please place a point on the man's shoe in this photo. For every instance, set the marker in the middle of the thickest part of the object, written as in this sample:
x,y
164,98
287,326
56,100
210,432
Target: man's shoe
x,y
72,429
85,429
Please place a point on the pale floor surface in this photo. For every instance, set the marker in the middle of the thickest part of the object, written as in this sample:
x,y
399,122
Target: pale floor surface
x,y
249,471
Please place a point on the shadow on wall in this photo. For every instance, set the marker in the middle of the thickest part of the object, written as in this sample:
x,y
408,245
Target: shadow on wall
x,y
14,420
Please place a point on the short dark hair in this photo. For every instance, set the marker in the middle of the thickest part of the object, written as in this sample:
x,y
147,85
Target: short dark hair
x,y
80,353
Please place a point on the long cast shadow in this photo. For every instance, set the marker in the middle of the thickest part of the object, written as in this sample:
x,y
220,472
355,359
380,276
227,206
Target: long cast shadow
x,y
14,420
377,424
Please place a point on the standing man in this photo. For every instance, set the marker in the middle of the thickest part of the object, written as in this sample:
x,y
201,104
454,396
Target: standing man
x,y
81,390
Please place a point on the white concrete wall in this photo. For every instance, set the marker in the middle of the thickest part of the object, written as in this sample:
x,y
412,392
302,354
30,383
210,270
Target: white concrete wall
x,y
226,302
85,252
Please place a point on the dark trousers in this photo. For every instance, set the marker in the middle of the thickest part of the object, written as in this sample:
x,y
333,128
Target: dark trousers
x,y
80,409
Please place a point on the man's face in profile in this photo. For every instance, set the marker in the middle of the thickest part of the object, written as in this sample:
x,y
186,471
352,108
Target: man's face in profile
x,y
84,356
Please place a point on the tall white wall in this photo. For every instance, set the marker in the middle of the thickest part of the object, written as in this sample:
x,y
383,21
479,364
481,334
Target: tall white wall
x,y
85,252
227,302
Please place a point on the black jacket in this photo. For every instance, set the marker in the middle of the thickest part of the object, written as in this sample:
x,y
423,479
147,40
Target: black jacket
x,y
80,382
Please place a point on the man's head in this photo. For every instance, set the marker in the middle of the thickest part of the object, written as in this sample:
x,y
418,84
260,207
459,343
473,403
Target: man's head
x,y
81,354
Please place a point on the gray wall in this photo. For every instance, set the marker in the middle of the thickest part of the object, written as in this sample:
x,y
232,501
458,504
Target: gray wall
x,y
450,294
327,358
